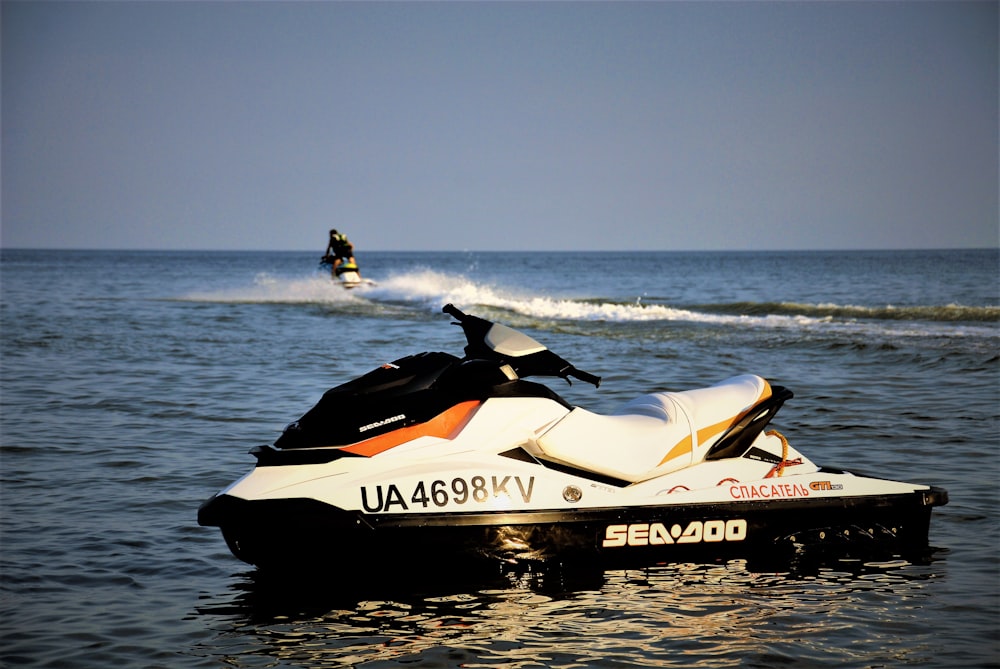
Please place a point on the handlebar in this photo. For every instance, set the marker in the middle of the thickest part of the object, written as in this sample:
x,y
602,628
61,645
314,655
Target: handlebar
x,y
452,310
542,362
586,377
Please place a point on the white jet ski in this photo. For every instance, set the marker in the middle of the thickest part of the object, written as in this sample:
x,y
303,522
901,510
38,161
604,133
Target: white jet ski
x,y
346,273
437,457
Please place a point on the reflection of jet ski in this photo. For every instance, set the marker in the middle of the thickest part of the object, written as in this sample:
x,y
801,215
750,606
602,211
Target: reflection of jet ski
x,y
434,456
346,272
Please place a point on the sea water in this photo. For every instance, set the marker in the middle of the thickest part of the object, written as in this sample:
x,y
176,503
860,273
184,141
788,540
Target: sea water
x,y
134,383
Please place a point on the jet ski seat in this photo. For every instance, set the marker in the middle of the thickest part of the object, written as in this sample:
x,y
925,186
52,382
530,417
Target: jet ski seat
x,y
652,434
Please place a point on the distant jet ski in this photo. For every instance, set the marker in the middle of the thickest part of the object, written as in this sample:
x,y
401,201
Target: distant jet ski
x,y
347,273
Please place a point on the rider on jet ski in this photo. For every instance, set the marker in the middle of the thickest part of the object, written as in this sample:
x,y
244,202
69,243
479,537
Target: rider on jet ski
x,y
338,249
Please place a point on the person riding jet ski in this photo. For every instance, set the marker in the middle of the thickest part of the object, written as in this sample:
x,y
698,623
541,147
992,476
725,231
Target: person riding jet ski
x,y
338,250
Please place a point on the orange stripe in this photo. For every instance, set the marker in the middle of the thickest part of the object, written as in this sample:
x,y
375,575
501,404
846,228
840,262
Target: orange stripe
x,y
442,425
706,433
683,446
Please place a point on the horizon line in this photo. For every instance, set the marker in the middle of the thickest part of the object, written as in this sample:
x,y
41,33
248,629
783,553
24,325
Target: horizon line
x,y
518,251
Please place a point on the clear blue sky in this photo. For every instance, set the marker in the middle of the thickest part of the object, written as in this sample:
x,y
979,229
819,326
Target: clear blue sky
x,y
507,126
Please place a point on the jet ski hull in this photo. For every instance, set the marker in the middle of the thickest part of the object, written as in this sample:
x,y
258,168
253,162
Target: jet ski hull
x,y
290,532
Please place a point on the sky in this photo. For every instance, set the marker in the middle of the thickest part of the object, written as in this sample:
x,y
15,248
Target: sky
x,y
509,126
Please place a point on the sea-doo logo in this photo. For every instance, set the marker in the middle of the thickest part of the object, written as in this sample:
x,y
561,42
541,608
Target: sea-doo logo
x,y
380,423
656,534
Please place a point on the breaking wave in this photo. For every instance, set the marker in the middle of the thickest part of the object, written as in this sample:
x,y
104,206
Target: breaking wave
x,y
429,290
949,313
269,289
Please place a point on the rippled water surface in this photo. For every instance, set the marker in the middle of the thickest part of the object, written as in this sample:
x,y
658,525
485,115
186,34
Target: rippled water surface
x,y
133,385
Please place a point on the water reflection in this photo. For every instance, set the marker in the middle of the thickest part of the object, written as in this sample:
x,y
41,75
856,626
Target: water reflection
x,y
850,613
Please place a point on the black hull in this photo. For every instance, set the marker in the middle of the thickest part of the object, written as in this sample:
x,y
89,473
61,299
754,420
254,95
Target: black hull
x,y
304,533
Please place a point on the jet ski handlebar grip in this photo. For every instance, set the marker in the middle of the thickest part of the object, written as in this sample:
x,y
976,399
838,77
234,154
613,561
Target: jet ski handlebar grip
x,y
586,377
452,310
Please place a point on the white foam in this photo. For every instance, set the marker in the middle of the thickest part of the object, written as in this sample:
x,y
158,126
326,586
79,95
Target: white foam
x,y
437,289
434,289
319,289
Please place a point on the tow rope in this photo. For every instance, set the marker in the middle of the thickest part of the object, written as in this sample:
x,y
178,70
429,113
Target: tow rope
x,y
779,468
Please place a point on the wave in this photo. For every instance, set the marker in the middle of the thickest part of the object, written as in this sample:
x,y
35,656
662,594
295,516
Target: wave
x,y
948,313
268,289
430,289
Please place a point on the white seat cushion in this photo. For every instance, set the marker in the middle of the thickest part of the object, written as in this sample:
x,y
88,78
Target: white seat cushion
x,y
652,434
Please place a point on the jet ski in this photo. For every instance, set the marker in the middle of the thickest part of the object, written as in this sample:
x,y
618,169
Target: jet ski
x,y
347,272
442,457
